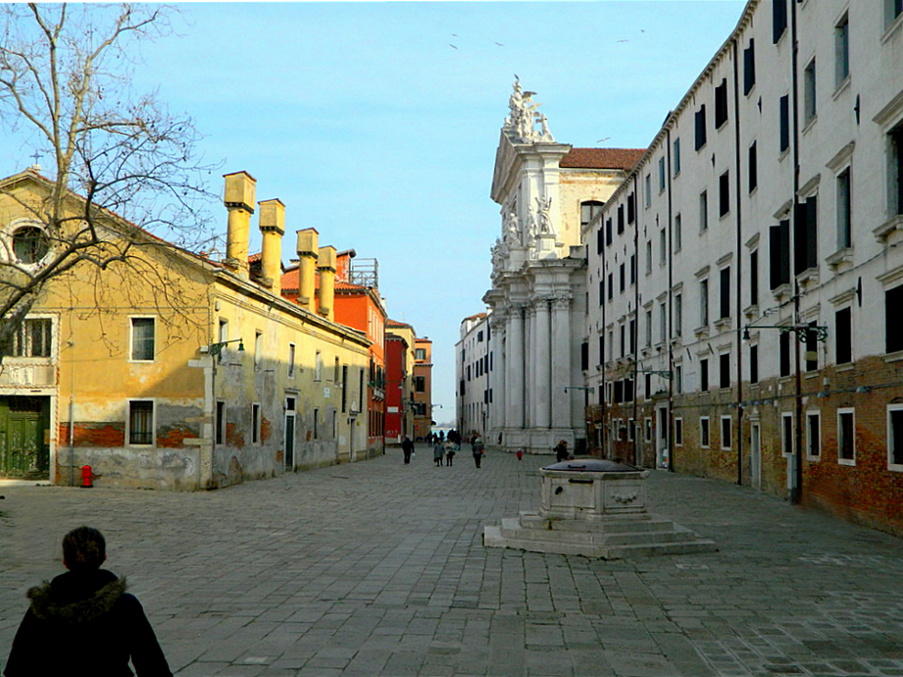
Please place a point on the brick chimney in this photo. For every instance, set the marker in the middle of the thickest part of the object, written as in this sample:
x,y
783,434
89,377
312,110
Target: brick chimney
x,y
238,198
272,228
308,244
326,268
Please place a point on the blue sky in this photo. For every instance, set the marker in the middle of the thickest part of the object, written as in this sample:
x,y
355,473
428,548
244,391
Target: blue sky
x,y
377,123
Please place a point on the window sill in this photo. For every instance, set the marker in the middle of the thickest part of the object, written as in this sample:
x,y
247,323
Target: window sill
x,y
892,29
701,331
810,123
723,324
843,86
894,357
808,276
782,291
892,229
841,259
751,311
851,462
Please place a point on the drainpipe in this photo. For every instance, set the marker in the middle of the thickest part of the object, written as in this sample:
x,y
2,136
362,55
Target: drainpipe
x,y
796,492
739,285
670,433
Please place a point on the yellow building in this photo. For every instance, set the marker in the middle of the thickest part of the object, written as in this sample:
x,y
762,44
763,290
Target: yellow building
x,y
170,370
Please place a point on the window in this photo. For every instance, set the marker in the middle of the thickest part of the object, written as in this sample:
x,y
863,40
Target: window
x,y
632,268
778,19
895,436
721,103
846,440
843,336
703,211
754,364
620,219
336,371
805,235
724,306
678,379
223,338
779,253
589,210
676,158
142,339
220,422
811,346
894,9
30,244
601,349
291,360
344,388
632,334
754,277
896,167
631,208
420,384
749,67
810,109
141,422
752,165
787,434
784,120
420,354
703,303
622,277
647,185
724,194
700,127
255,424
584,356
34,338
704,374
704,433
813,435
648,257
726,436
678,432
623,342
724,370
608,233
844,210
318,366
784,357
662,322
893,301
647,427
842,51
678,314
662,247
678,238
661,174
316,424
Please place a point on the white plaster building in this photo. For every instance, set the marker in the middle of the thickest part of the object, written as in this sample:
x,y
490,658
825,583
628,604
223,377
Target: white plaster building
x,y
546,190
474,361
753,255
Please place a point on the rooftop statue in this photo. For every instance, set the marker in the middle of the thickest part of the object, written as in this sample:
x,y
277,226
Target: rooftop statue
x,y
523,116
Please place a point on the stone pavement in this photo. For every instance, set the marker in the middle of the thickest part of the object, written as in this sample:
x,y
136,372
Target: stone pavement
x,y
377,568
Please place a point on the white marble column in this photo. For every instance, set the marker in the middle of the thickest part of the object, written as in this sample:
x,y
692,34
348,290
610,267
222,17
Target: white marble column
x,y
497,376
514,369
541,366
561,363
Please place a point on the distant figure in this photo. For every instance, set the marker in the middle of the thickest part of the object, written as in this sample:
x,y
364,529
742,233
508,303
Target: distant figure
x,y
519,454
408,448
449,453
84,622
561,451
477,448
438,453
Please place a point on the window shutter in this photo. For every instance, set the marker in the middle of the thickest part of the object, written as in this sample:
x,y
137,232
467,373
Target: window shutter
x,y
749,67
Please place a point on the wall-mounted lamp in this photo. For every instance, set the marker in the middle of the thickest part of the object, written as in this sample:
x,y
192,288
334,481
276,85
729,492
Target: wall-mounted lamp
x,y
216,348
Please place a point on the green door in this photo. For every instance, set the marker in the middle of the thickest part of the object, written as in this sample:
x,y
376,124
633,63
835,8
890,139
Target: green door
x,y
23,449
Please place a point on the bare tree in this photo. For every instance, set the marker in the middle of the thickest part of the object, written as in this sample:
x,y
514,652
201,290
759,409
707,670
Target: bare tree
x,y
65,87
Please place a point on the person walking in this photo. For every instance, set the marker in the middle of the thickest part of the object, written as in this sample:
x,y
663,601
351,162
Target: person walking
x,y
449,453
407,447
477,448
83,622
438,453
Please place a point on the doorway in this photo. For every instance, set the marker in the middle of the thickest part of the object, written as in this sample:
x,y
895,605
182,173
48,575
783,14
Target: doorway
x,y
289,433
25,437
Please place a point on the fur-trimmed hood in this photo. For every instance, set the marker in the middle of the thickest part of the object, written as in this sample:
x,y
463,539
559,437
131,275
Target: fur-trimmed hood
x,y
77,597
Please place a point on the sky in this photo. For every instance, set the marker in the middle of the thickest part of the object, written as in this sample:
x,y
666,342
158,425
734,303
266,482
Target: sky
x,y
377,123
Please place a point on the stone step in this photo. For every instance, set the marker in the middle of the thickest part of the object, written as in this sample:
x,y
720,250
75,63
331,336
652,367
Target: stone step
x,y
493,536
611,523
511,528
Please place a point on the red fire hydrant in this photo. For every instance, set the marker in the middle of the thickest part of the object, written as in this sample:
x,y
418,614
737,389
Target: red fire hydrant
x,y
87,477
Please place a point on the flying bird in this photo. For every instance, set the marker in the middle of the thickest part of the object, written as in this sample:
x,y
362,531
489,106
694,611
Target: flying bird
x,y
603,140
499,44
452,46
622,41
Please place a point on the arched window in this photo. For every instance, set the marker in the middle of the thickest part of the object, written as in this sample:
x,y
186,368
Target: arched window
x,y
30,244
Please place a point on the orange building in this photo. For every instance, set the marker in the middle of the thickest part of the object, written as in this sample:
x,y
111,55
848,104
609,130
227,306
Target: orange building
x,y
355,304
423,387
400,340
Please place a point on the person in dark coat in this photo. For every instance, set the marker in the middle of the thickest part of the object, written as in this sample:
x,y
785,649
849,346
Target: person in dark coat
x,y
477,448
561,451
84,622
407,447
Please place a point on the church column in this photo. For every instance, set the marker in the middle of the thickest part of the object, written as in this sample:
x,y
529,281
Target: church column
x,y
497,375
514,369
541,364
561,363
529,366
